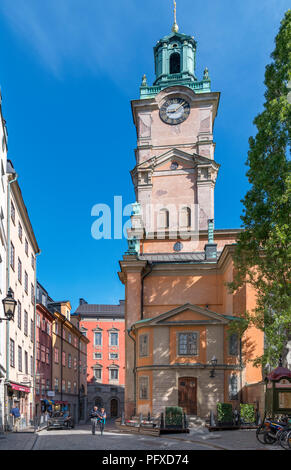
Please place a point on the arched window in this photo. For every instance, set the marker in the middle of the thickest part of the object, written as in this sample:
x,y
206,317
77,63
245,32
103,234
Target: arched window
x,y
163,219
175,63
185,217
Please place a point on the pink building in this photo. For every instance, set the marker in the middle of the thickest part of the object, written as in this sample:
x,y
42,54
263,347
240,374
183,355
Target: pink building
x,y
43,356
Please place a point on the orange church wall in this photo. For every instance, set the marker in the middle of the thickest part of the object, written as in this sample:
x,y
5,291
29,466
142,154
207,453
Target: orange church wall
x,y
179,290
133,298
175,358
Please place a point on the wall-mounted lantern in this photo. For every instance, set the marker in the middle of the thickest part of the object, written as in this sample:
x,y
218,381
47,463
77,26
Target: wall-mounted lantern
x,y
9,305
213,362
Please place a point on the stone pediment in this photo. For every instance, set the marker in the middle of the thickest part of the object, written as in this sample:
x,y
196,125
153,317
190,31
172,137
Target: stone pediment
x,y
187,314
183,157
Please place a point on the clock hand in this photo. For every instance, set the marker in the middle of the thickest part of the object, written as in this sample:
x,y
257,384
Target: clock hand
x,y
179,106
176,109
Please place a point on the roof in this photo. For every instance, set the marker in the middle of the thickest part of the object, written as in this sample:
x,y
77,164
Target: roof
x,y
198,257
101,310
165,318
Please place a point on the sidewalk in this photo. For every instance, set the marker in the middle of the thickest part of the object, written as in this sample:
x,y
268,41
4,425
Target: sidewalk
x,y
240,439
18,441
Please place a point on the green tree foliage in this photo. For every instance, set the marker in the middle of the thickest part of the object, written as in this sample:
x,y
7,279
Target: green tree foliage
x,y
263,255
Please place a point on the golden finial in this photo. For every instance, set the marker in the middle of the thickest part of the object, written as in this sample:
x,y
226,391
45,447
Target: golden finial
x,y
175,28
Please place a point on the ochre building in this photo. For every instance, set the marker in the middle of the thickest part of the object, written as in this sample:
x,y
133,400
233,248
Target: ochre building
x,y
178,309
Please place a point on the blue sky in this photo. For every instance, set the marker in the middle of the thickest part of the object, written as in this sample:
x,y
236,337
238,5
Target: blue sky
x,y
68,71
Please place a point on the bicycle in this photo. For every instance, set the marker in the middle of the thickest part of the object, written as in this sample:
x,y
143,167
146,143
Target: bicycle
x,y
271,431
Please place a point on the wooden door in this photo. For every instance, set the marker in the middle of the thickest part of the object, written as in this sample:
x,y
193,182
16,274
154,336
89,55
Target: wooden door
x,y
113,408
188,395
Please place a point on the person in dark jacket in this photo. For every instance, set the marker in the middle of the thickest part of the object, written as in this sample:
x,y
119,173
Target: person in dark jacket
x,y
94,415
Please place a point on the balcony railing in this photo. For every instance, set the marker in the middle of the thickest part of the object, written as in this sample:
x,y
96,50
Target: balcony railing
x,y
203,86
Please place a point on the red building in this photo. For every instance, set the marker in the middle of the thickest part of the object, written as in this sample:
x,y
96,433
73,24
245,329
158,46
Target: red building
x,y
104,326
43,350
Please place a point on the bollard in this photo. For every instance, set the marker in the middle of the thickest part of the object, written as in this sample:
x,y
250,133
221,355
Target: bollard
x,y
122,418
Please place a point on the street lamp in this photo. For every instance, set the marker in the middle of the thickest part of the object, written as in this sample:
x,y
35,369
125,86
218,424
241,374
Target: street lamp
x,y
9,305
213,362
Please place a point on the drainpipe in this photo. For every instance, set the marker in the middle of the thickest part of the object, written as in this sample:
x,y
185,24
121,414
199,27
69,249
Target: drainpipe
x,y
142,289
34,341
134,368
240,358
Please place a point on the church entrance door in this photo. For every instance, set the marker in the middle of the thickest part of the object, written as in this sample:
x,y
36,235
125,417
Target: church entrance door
x,y
188,395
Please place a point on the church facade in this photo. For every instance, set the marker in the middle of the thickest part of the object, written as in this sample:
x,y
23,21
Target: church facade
x,y
178,310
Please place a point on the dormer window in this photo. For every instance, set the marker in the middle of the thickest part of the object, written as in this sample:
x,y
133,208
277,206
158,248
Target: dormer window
x,y
175,63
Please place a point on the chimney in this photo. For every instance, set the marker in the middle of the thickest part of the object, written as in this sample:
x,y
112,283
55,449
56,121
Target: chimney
x,y
82,301
211,247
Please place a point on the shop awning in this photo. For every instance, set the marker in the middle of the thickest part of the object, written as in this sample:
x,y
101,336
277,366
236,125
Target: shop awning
x,y
20,388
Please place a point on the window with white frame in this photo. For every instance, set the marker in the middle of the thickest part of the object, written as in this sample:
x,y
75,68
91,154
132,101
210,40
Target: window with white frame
x,y
97,355
113,374
113,338
113,355
20,231
98,373
143,345
98,338
25,323
188,344
19,271
26,282
19,315
19,358
12,255
144,387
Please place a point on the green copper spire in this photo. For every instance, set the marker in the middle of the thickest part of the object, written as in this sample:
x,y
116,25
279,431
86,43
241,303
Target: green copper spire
x,y
175,64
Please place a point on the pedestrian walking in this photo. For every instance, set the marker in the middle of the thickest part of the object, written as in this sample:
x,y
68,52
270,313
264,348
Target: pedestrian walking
x,y
94,415
102,420
15,413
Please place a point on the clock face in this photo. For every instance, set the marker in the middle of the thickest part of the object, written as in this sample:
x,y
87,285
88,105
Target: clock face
x,y
174,111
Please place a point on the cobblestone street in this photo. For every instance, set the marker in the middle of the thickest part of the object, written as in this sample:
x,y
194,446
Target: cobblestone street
x,y
81,438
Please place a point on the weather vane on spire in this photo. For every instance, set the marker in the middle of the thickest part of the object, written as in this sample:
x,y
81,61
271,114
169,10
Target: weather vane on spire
x,y
175,28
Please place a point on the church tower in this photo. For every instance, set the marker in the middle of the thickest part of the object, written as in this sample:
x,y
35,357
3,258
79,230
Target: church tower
x,y
175,172
177,306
